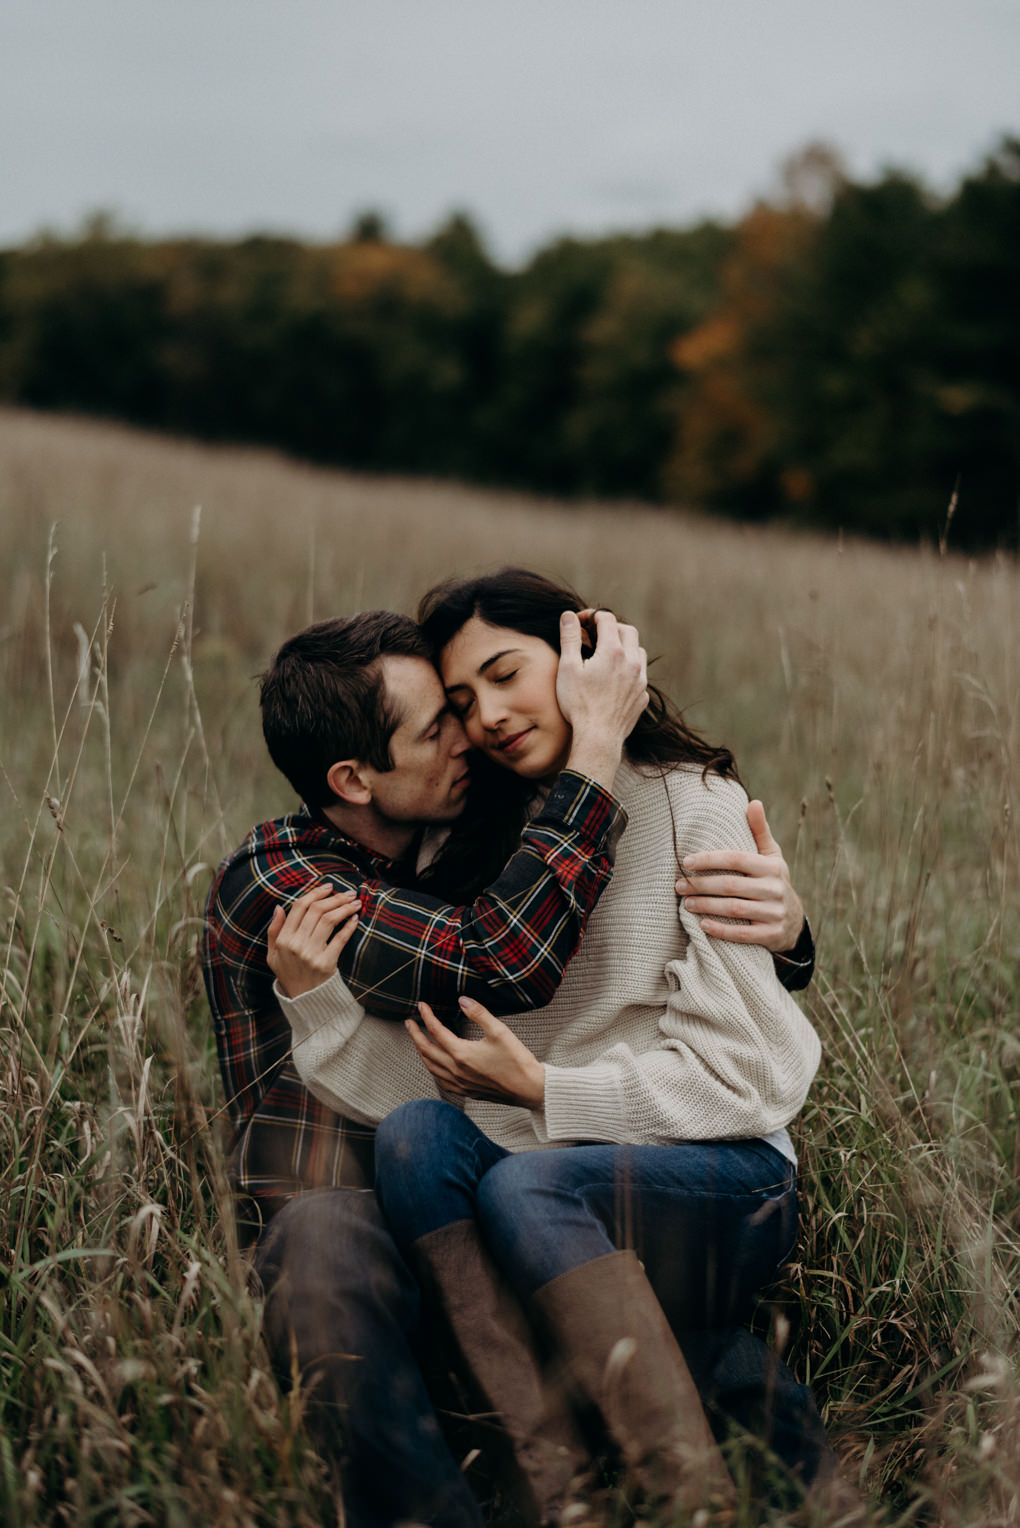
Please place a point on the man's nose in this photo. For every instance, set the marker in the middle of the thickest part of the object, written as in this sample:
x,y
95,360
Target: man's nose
x,y
459,741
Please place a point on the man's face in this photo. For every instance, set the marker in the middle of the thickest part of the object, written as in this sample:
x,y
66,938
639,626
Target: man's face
x,y
429,778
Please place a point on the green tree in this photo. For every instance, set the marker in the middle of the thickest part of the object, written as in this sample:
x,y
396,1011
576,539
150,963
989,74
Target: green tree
x,y
977,349
620,426
82,324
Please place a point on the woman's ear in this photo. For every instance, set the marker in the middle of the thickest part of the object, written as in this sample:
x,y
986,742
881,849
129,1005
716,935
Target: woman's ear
x,y
348,783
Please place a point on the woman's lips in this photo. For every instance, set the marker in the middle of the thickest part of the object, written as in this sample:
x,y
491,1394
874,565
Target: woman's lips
x,y
510,744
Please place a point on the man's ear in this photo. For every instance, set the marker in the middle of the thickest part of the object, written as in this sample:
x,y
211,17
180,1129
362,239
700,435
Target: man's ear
x,y
348,783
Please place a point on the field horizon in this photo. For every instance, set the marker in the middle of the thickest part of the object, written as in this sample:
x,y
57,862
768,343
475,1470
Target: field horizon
x,y
871,695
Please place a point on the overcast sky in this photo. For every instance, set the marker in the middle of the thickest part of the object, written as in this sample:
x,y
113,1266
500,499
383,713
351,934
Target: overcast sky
x,y
537,116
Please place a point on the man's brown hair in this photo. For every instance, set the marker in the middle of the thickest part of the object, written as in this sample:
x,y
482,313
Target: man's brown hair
x,y
323,697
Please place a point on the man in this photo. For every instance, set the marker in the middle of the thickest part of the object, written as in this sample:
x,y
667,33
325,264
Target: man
x,y
355,717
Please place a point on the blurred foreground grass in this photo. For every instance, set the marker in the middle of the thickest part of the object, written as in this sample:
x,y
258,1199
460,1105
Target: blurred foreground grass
x,y
871,696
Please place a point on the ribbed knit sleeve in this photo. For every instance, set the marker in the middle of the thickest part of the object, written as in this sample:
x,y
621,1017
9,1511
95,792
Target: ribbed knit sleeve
x,y
732,1054
359,1065
743,1072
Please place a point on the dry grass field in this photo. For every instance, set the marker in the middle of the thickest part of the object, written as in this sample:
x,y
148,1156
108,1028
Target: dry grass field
x,y
871,696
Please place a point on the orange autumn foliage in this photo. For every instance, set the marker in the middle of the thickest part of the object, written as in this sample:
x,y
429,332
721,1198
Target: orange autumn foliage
x,y
727,431
359,272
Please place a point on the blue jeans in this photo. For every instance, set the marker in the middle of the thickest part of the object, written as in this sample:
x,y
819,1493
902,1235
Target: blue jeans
x,y
342,1316
712,1223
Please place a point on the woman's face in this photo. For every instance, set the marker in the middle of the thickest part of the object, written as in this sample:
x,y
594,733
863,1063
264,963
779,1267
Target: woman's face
x,y
502,685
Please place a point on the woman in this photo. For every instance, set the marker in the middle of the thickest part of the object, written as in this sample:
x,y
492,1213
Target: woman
x,y
661,1045
682,1059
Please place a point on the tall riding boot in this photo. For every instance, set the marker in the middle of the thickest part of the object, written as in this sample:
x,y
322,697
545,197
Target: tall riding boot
x,y
494,1345
622,1357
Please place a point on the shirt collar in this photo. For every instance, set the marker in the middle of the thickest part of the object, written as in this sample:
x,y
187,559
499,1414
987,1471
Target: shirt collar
x,y
388,869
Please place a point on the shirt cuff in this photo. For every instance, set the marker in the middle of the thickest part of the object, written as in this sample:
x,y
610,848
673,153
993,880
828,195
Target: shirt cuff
x,y
584,807
796,967
331,1004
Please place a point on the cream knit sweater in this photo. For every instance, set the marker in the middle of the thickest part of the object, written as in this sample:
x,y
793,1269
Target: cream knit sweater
x,y
657,1033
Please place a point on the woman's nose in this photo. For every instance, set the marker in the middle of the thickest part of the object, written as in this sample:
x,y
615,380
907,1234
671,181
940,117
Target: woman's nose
x,y
491,710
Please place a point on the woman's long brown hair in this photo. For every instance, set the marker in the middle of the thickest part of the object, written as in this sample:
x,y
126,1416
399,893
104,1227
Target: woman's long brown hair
x,y
486,834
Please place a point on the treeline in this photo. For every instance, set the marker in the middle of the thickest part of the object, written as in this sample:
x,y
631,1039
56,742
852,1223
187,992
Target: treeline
x,y
846,354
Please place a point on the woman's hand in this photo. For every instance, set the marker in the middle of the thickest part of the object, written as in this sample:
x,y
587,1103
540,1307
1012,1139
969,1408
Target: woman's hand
x,y
497,1067
306,941
729,883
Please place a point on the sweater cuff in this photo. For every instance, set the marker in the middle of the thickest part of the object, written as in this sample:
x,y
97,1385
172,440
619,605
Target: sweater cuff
x,y
331,1004
582,1103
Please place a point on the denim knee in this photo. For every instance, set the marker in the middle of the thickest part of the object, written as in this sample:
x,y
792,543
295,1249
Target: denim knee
x,y
502,1192
536,1186
429,1159
407,1135
536,1219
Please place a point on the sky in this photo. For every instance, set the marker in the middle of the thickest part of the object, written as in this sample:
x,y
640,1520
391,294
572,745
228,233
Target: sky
x,y
538,117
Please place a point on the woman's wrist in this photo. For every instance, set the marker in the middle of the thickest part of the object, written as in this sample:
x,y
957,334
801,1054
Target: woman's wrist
x,y
298,983
536,1089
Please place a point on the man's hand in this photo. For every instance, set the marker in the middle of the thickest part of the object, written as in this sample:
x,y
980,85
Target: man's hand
x,y
497,1067
725,883
601,696
305,944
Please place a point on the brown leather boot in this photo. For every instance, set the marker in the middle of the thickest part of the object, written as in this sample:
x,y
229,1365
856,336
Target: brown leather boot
x,y
608,1326
496,1352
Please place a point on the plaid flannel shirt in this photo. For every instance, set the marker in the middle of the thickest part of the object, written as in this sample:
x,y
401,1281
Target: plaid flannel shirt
x,y
509,949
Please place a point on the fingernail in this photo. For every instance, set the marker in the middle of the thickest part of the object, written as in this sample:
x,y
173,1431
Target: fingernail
x,y
682,884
